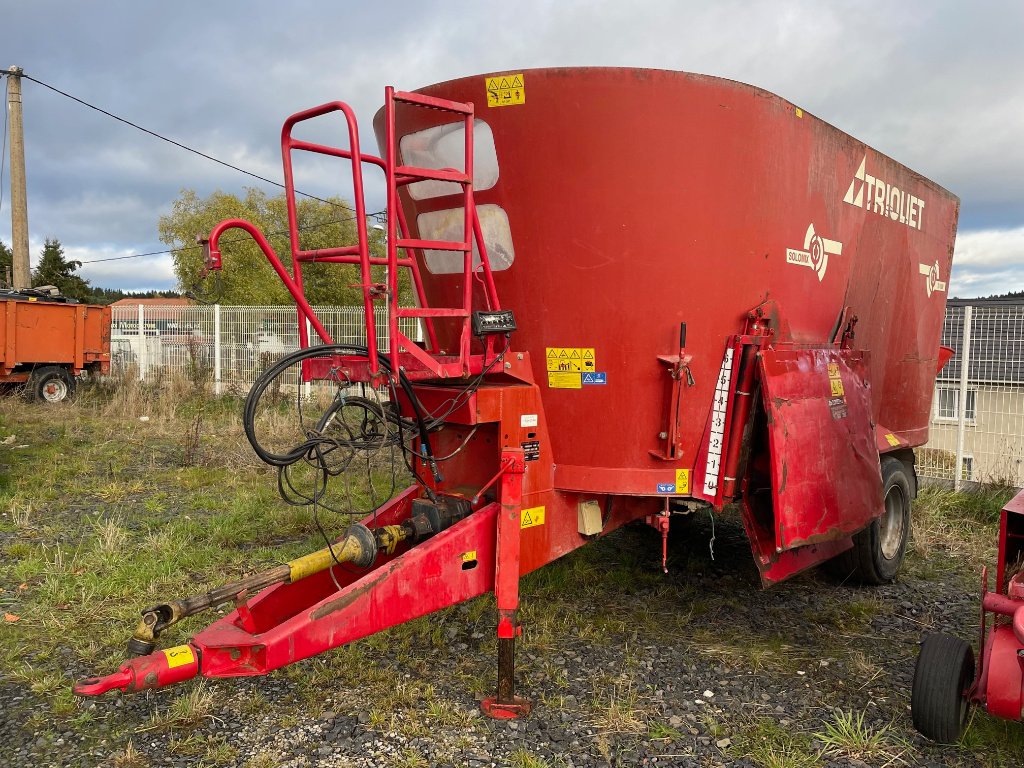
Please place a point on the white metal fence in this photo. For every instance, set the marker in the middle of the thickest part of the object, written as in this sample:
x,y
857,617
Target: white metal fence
x,y
977,426
231,346
977,411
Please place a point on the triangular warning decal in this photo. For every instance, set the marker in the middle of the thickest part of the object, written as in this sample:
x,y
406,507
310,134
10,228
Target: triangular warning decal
x,y
492,84
527,520
504,83
517,82
575,354
564,354
552,352
588,354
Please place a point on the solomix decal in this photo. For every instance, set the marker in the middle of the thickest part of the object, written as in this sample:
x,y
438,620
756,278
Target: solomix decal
x,y
879,196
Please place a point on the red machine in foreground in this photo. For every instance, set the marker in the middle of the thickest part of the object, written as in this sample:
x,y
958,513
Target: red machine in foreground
x,y
642,292
945,679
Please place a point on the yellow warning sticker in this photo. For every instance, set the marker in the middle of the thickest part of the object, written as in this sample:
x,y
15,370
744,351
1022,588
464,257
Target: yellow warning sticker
x,y
892,440
682,481
837,387
179,656
532,517
579,359
833,370
505,90
469,557
565,380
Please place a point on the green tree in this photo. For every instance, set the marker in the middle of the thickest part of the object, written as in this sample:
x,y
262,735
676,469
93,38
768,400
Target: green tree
x,y
6,261
247,277
54,269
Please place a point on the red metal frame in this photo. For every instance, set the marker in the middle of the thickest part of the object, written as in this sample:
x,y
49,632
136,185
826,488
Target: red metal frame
x,y
999,680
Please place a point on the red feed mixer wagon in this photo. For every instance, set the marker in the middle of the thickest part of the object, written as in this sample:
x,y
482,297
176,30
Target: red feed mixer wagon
x,y
642,292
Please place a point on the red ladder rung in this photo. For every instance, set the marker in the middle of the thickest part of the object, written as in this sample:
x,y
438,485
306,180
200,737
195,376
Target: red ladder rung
x,y
432,312
434,245
432,102
407,172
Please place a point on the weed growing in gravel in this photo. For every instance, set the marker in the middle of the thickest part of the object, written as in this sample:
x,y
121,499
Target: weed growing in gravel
x,y
129,757
186,711
848,733
522,758
617,709
771,746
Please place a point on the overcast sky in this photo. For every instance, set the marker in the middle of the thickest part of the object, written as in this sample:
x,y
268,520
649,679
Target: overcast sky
x,y
938,86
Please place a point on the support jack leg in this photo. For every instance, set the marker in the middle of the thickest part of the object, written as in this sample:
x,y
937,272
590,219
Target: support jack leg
x,y
506,705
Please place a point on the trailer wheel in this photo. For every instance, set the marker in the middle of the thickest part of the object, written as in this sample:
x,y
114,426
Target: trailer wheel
x,y
51,384
938,701
878,550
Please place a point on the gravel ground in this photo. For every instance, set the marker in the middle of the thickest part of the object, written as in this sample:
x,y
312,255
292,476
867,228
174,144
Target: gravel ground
x,y
612,683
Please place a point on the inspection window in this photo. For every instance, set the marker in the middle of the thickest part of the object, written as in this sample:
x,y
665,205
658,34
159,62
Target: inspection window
x,y
947,404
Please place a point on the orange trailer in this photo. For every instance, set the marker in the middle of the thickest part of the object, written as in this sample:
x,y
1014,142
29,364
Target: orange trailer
x,y
47,343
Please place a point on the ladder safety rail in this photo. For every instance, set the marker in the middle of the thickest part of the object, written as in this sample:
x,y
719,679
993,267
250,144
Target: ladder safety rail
x,y
362,244
401,175
294,287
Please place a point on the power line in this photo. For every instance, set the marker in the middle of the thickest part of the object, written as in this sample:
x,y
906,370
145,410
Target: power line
x,y
178,143
187,149
278,233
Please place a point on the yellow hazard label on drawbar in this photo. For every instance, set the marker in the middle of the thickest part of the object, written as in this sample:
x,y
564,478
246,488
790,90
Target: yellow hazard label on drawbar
x,y
531,517
837,387
179,656
892,440
469,557
569,359
505,90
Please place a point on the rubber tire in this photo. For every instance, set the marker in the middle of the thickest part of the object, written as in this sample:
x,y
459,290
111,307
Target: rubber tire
x,y
866,563
944,671
42,377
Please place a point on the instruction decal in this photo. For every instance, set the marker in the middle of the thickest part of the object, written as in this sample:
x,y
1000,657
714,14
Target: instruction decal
x,y
531,450
179,656
666,487
531,517
505,90
528,420
838,407
597,377
559,380
469,557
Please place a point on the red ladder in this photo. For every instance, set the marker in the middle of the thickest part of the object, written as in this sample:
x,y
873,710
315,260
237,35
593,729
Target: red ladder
x,y
403,351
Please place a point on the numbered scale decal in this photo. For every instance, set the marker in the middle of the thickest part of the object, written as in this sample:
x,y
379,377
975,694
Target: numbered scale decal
x,y
721,407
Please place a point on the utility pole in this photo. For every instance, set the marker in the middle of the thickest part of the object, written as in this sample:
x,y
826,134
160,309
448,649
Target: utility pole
x,y
19,197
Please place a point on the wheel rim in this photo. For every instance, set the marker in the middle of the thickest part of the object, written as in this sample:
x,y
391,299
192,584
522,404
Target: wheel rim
x,y
892,523
54,391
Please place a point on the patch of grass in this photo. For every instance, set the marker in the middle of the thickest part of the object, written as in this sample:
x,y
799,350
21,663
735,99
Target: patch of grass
x,y
993,742
963,523
522,758
618,709
186,711
663,732
849,734
771,746
129,757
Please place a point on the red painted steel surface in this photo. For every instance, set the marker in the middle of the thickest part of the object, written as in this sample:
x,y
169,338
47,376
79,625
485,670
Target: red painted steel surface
x,y
638,199
824,462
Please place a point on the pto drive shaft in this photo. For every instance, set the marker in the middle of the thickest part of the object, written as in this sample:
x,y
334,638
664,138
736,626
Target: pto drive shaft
x,y
359,547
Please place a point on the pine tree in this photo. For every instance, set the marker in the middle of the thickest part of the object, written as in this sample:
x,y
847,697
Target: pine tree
x,y
54,269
